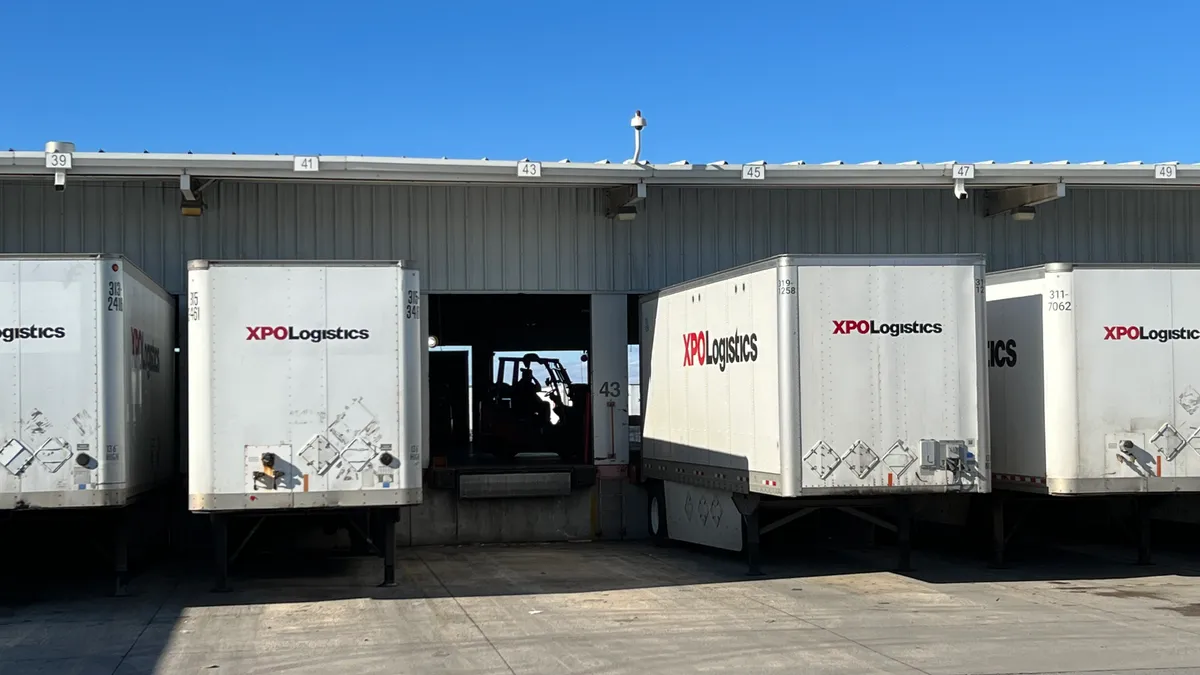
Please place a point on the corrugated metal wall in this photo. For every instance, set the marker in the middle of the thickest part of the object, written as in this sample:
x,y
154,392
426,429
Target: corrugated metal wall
x,y
556,239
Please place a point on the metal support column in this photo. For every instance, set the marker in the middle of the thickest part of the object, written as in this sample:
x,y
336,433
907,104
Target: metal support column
x,y
220,530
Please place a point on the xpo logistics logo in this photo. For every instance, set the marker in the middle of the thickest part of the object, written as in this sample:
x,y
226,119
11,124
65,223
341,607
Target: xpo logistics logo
x,y
1153,334
145,355
306,334
871,327
14,333
701,349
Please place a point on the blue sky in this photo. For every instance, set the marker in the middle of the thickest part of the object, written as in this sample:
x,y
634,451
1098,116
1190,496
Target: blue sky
x,y
875,79
891,80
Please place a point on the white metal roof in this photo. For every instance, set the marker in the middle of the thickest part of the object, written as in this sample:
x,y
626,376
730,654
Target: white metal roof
x,y
601,173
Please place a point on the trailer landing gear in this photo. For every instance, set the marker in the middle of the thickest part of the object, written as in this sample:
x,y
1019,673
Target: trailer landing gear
x,y
384,544
904,534
121,552
747,506
901,523
220,531
1142,510
1001,534
389,517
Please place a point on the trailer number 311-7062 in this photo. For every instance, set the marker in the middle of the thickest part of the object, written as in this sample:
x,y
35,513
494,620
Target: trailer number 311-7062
x,y
1058,301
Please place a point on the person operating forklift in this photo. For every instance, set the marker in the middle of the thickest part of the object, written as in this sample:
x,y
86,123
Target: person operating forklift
x,y
526,392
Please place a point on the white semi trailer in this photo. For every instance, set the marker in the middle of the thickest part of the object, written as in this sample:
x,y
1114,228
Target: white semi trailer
x,y
304,391
1094,382
804,381
87,387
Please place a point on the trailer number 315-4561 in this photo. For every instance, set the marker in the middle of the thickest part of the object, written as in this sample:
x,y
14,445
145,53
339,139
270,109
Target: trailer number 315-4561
x,y
412,306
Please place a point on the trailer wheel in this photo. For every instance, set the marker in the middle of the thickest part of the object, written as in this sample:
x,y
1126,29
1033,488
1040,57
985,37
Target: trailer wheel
x,y
656,514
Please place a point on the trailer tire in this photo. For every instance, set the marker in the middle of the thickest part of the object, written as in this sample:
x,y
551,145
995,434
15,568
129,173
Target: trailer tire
x,y
656,514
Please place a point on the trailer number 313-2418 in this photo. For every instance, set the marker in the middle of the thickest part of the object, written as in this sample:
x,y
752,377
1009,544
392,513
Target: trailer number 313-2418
x,y
116,299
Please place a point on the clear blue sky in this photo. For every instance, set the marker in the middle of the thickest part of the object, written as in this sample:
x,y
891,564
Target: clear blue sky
x,y
890,80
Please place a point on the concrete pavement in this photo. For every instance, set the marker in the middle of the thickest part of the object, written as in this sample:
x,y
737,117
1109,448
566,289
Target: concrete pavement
x,y
625,608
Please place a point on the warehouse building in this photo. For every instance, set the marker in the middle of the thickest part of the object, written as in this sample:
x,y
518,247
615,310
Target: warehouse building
x,y
549,258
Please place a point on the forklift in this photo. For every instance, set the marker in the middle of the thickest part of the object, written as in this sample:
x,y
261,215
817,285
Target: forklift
x,y
515,420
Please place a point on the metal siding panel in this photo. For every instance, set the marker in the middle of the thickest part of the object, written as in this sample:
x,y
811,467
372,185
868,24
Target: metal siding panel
x,y
152,232
491,230
528,224
360,223
770,207
509,226
476,245
12,211
438,274
1192,200
456,238
585,252
419,211
638,242
671,256
622,276
557,239
604,252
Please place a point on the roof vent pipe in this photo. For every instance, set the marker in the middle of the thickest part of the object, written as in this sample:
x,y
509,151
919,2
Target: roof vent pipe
x,y
638,123
60,146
